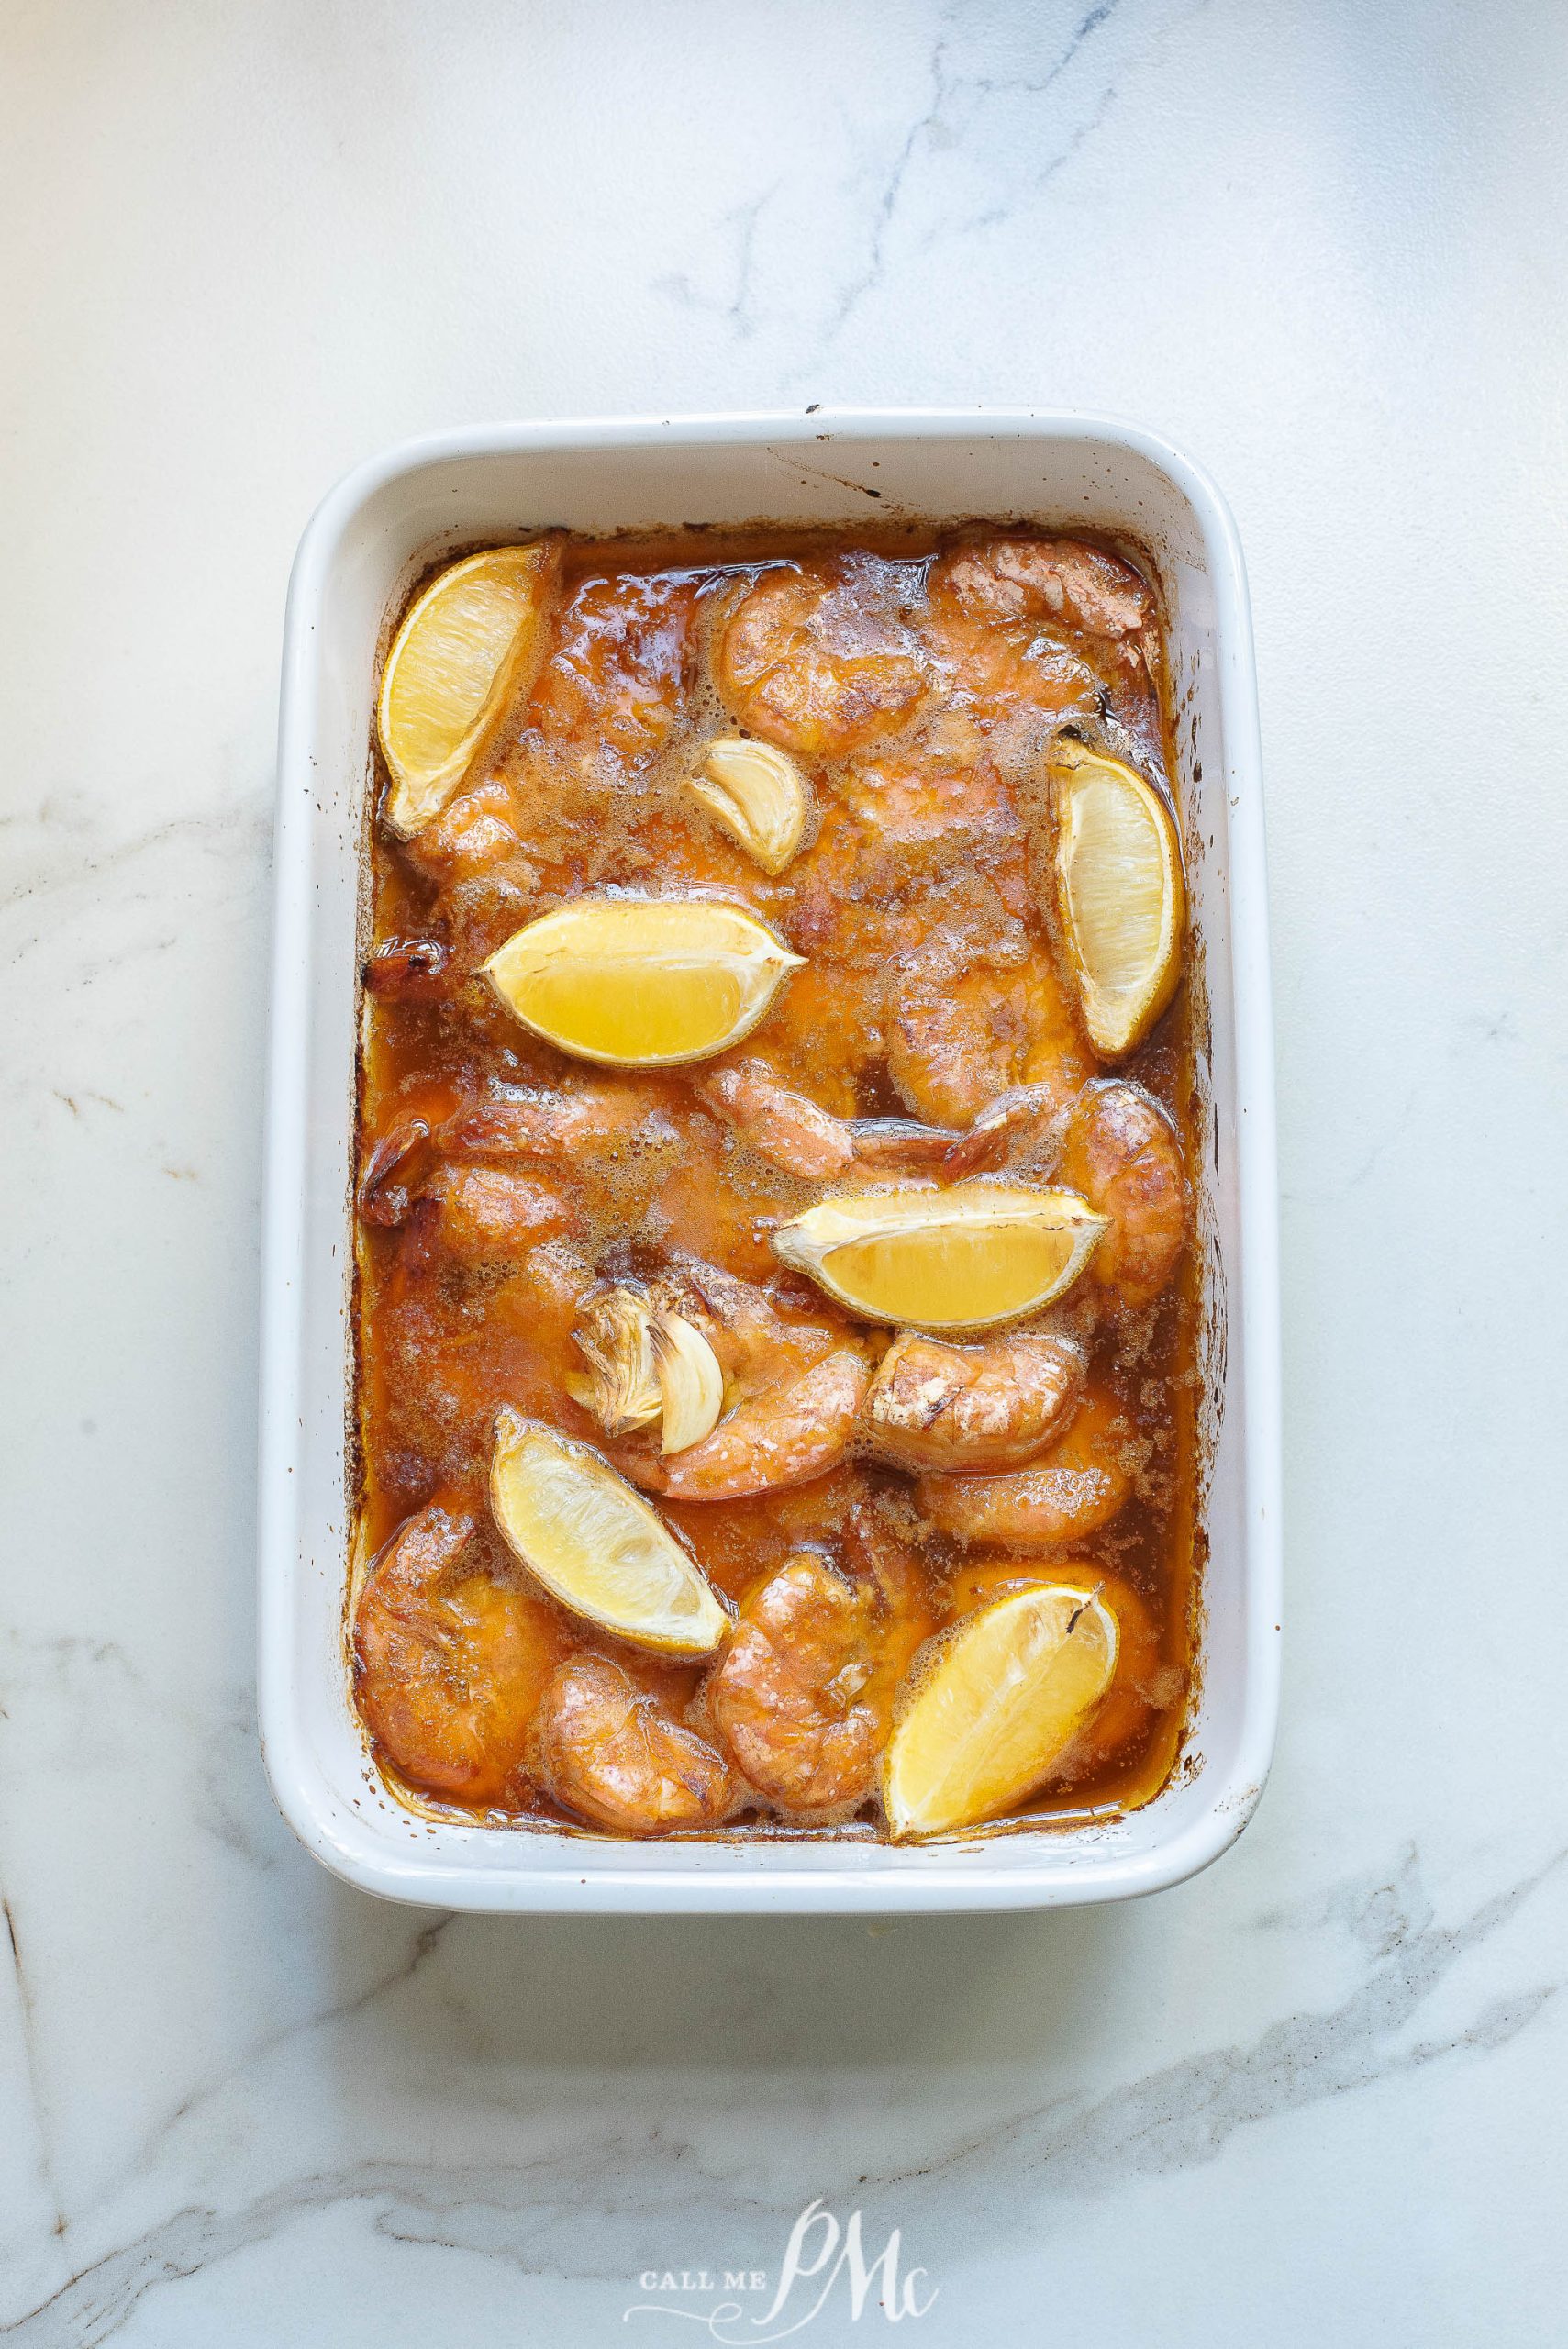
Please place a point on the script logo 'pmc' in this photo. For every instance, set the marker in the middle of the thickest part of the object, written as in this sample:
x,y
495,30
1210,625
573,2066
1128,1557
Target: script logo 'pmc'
x,y
817,2254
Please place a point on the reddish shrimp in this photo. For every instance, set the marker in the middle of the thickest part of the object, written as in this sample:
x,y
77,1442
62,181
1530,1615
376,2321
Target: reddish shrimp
x,y
473,834
450,1659
476,1213
613,692
935,1406
819,658
1078,587
797,1388
1067,1494
490,1215
611,1752
608,702
962,1031
587,1124
1123,1153
409,970
787,1128
793,1427
1116,1147
803,1694
504,1171
1053,627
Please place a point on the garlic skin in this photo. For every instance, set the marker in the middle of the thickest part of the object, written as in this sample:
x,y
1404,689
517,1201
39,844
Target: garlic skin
x,y
622,1388
758,795
691,1383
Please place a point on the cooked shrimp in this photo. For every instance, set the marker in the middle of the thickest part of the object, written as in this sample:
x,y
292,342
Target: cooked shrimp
x,y
1017,687
803,1694
1021,1130
611,1147
792,1133
798,1387
1038,632
924,808
471,836
780,1124
784,1434
396,1170
487,1214
449,1659
1120,1150
592,1134
1061,580
409,970
817,656
612,690
960,1036
1123,1152
1071,1492
995,1404
607,705
475,1212
582,1126
487,884
611,1752
910,840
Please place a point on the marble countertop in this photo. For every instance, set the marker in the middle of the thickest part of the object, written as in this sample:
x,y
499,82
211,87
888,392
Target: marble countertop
x,y
1315,2095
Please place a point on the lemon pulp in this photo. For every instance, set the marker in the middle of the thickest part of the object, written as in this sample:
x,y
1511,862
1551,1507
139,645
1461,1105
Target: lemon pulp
x,y
595,1544
1119,894
471,646
641,982
958,1259
998,1704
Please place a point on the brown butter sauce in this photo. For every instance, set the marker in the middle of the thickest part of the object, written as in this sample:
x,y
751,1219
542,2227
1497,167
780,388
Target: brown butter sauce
x,y
436,1350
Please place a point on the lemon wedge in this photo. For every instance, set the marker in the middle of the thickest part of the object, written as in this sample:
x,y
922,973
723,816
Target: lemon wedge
x,y
1119,893
959,1259
641,982
471,648
997,1704
595,1544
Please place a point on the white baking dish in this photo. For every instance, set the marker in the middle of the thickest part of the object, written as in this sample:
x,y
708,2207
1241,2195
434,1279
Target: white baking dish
x,y
372,532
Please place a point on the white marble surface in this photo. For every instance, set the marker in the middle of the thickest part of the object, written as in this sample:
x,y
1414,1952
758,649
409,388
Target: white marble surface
x,y
1313,2096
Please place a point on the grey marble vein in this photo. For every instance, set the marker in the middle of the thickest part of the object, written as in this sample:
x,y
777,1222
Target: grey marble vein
x,y
230,833
602,2206
738,307
30,2058
422,1948
935,129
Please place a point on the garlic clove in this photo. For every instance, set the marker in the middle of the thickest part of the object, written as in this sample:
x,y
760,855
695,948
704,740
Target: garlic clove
x,y
758,795
690,1381
622,1388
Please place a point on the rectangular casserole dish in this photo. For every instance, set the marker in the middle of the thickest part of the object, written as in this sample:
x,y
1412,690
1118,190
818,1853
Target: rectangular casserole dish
x,y
374,532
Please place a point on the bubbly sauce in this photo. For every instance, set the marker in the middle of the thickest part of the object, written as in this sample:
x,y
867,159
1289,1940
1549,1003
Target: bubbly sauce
x,y
933,981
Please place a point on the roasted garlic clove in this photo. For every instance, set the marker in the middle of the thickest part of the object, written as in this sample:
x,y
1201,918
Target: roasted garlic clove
x,y
691,1384
622,1388
758,794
